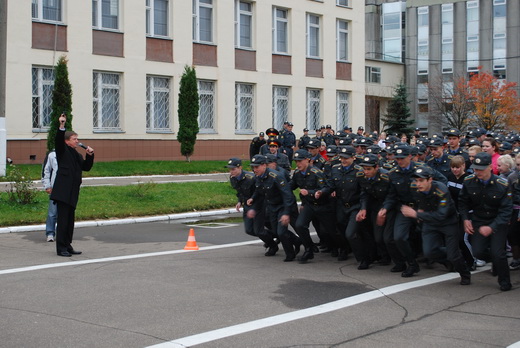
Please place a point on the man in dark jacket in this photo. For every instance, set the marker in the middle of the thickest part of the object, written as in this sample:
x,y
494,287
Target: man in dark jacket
x,y
65,191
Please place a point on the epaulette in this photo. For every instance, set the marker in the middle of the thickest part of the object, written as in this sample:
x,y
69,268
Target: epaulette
x,y
322,160
450,157
438,192
273,174
388,166
315,170
336,165
360,174
392,170
384,176
358,167
502,182
469,177
249,175
419,164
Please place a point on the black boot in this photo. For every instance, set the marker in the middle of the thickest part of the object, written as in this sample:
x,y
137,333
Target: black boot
x,y
413,267
465,278
307,255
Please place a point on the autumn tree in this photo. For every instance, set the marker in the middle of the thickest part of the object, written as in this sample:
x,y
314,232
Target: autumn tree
x,y
496,103
397,119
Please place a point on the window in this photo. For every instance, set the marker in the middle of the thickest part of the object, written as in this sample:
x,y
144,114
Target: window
x,y
105,14
280,106
472,36
499,34
280,35
42,86
157,17
423,50
342,109
158,104
243,24
393,34
342,40
372,74
244,107
313,109
106,93
203,21
206,106
342,3
447,38
46,10
313,36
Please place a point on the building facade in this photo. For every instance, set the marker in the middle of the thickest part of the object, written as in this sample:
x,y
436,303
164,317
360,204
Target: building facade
x,y
440,41
258,64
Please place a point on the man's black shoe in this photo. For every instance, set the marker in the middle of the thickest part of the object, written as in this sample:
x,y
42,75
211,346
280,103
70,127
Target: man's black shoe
x,y
74,252
272,250
410,270
400,267
289,258
465,278
505,286
307,255
297,247
64,253
363,265
315,249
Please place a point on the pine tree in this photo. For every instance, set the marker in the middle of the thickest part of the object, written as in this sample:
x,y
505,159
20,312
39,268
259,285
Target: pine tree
x,y
61,100
397,121
188,112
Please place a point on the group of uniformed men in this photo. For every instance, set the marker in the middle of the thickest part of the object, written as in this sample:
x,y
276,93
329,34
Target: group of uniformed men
x,y
382,204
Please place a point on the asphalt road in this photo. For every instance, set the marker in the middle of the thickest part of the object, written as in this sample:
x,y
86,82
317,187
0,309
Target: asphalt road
x,y
135,286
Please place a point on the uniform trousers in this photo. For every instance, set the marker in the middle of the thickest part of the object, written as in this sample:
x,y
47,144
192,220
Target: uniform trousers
x,y
256,226
402,228
322,214
358,238
497,245
441,243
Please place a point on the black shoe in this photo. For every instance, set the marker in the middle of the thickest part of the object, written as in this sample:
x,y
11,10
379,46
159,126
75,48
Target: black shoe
x,y
297,247
315,249
289,258
343,255
272,250
74,252
307,255
505,286
399,267
473,266
363,265
465,278
410,270
64,253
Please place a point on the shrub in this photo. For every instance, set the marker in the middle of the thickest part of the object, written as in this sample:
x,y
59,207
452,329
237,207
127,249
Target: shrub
x,y
21,188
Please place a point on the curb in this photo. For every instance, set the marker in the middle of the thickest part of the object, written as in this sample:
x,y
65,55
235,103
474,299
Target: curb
x,y
136,220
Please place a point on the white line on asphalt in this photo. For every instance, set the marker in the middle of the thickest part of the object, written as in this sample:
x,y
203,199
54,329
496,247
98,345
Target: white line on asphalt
x,y
119,258
214,335
514,345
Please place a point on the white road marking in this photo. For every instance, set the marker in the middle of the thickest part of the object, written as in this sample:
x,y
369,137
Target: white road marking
x,y
214,335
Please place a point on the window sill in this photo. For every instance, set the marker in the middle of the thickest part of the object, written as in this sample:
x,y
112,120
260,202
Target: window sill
x,y
108,29
244,132
281,54
205,43
108,131
48,21
167,38
40,130
207,131
159,132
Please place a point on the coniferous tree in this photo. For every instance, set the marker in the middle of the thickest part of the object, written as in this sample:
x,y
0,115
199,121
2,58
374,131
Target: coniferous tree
x,y
188,112
397,121
61,100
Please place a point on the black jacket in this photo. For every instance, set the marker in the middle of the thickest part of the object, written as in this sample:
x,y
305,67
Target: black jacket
x,y
70,167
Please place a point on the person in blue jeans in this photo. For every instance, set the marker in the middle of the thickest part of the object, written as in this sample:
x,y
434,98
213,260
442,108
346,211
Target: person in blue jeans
x,y
49,169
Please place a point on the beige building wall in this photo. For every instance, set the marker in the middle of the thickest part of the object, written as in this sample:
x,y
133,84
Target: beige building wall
x,y
134,141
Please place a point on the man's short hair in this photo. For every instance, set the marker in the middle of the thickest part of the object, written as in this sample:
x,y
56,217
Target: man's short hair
x,y
68,134
457,161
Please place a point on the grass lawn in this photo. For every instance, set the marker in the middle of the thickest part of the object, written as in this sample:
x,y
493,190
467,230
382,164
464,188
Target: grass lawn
x,y
126,201
130,168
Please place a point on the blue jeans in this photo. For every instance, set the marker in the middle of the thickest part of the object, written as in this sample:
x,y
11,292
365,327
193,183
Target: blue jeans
x,y
52,216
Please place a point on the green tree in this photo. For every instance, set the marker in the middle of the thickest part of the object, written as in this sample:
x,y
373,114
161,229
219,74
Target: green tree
x,y
398,113
188,112
61,100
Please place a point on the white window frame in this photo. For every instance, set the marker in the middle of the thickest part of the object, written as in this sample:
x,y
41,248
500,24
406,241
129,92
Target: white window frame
x,y
342,109
311,27
339,34
285,22
342,3
38,120
278,117
197,5
97,14
150,19
311,100
39,15
206,93
239,13
241,126
373,74
98,101
151,107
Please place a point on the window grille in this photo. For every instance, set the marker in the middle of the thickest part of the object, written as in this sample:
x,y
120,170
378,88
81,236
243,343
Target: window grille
x,y
106,109
42,87
313,108
244,98
158,104
206,106
280,106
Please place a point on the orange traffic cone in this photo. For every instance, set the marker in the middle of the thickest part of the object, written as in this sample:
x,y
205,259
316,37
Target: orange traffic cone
x,y
191,244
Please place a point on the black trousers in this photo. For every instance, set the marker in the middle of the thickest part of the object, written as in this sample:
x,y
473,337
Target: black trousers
x,y
65,227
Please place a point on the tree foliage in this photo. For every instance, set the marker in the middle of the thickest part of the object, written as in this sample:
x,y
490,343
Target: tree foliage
x,y
496,104
397,119
61,100
188,112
